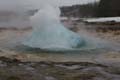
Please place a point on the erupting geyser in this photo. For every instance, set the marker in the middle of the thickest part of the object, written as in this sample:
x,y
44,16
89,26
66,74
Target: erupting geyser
x,y
49,33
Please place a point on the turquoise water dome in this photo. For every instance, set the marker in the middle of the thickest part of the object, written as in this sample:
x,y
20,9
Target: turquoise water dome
x,y
50,34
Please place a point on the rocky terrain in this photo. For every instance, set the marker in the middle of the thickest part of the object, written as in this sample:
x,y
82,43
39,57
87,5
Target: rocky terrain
x,y
12,69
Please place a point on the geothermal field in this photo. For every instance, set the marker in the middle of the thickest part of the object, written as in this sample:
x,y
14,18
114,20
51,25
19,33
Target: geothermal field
x,y
38,42
18,62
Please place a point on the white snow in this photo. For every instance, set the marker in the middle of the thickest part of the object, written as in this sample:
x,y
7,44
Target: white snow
x,y
103,19
70,18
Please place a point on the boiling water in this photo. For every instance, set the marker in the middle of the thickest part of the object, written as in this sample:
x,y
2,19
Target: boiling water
x,y
48,32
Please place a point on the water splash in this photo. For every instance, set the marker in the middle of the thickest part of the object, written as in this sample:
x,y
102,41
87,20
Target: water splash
x,y
49,33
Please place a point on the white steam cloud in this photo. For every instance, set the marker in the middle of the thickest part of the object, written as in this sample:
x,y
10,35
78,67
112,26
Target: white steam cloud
x,y
13,12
